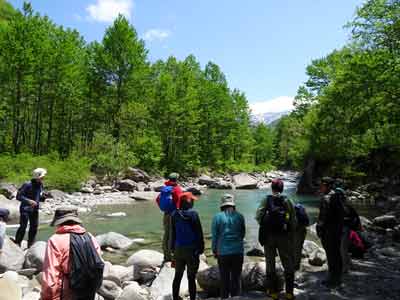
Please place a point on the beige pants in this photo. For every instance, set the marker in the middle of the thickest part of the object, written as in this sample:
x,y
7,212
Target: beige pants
x,y
9,289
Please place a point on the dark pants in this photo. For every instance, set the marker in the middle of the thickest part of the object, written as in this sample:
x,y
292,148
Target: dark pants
x,y
167,224
331,241
282,243
230,270
185,257
33,218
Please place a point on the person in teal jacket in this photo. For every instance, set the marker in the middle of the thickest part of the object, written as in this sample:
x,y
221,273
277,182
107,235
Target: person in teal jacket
x,y
228,231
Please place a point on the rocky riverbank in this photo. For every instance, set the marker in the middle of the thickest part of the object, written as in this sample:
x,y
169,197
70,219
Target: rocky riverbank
x,y
142,276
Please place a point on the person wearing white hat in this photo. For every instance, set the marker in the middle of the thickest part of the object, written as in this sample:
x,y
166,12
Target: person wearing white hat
x,y
30,195
228,231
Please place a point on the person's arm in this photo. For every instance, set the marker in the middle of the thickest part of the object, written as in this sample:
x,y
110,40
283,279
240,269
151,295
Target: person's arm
x,y
243,226
292,216
52,274
261,211
199,233
215,236
323,215
21,195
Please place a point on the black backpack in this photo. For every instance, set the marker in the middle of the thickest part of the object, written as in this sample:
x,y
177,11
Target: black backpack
x,y
276,216
301,215
86,267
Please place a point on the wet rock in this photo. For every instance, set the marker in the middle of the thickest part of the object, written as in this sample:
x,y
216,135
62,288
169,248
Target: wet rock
x,y
116,215
365,223
12,257
87,190
8,190
385,221
145,263
309,247
144,196
142,187
113,240
56,194
12,206
126,185
390,252
222,184
34,257
109,290
244,181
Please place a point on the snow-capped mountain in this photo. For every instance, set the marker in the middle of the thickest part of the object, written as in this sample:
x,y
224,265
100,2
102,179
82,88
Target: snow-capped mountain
x,y
269,117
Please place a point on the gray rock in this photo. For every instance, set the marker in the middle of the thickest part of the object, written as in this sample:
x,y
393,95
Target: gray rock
x,y
145,263
113,240
309,247
57,194
256,251
144,196
157,185
206,180
161,287
244,181
317,258
28,272
126,185
8,190
87,190
117,274
390,252
137,175
32,295
34,257
385,221
109,290
365,222
12,257
209,280
142,187
12,206
221,184
254,277
133,292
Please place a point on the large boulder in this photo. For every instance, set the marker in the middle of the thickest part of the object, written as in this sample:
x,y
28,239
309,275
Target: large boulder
x,y
144,196
244,181
133,292
309,248
8,190
206,180
117,274
12,206
222,184
114,240
254,276
109,290
209,280
126,185
137,175
385,221
34,257
9,287
161,286
12,257
56,194
146,264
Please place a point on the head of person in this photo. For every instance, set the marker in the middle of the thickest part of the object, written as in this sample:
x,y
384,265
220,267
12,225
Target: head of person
x,y
66,215
4,215
326,185
187,200
38,174
227,202
173,177
277,186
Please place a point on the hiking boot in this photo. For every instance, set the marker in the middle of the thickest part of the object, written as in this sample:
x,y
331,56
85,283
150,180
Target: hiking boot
x,y
273,295
289,296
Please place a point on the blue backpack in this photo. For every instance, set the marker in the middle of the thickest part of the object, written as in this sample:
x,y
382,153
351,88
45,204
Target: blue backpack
x,y
301,215
166,203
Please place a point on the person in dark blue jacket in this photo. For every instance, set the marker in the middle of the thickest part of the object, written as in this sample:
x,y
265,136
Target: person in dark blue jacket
x,y
30,195
228,231
186,243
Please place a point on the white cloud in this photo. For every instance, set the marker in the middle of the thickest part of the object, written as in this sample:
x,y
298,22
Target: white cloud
x,y
280,104
156,34
108,10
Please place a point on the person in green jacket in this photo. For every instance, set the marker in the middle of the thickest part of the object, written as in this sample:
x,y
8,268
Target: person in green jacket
x,y
277,219
228,231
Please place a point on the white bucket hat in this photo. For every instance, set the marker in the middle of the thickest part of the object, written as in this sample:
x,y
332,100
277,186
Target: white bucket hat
x,y
39,173
227,200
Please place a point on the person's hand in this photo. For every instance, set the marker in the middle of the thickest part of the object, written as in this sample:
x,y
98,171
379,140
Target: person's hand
x,y
32,203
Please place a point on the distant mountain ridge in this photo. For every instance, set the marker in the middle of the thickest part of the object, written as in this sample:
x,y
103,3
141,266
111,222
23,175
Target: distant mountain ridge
x,y
268,117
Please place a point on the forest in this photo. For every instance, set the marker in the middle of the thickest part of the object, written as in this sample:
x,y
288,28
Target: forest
x,y
79,107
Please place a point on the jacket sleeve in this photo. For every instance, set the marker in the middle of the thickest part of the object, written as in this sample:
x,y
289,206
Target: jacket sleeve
x,y
21,194
293,218
261,210
215,235
243,227
176,194
52,272
323,214
199,233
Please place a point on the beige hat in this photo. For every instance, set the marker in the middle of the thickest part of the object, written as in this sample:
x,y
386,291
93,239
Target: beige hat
x,y
64,214
227,200
39,173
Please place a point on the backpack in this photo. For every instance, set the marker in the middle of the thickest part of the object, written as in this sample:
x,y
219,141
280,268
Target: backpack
x,y
166,202
356,245
301,215
276,217
86,266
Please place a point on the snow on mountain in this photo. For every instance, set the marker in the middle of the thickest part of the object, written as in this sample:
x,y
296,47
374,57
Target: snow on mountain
x,y
268,117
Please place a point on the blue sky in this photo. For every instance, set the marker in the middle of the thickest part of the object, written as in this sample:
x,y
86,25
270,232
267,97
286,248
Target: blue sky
x,y
262,46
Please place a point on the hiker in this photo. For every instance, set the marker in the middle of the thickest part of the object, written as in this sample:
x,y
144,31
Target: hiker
x,y
300,233
72,268
168,201
351,222
186,244
330,229
277,219
228,231
30,195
